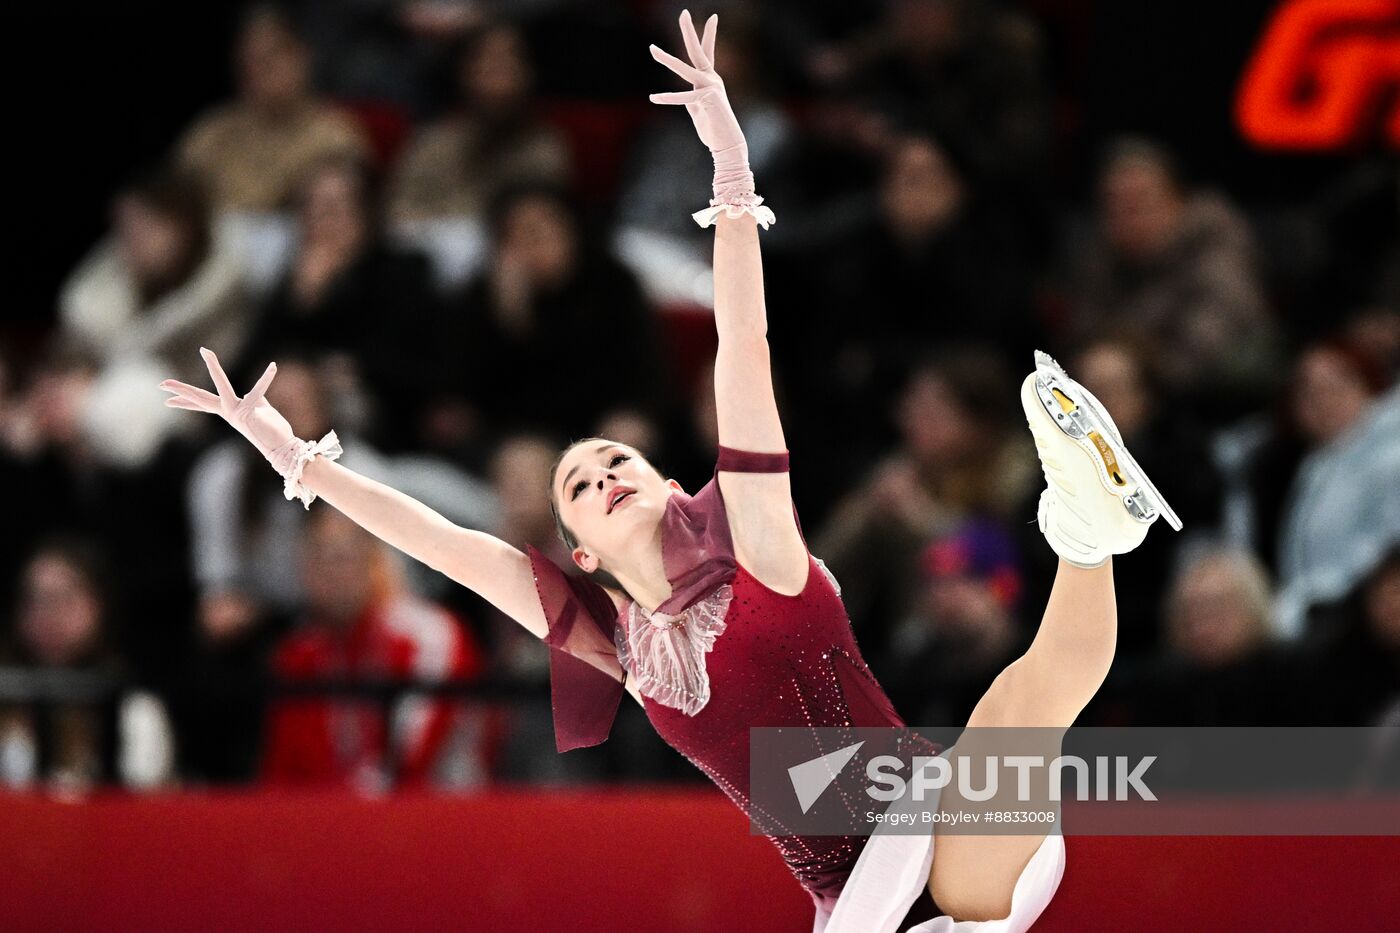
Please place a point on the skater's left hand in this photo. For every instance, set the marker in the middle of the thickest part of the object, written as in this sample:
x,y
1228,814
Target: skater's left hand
x,y
707,103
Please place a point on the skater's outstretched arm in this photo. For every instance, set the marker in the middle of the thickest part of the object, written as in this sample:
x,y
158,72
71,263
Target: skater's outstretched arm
x,y
493,569
759,505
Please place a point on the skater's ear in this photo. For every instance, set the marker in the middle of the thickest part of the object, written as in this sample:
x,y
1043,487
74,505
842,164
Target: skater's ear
x,y
585,561
675,485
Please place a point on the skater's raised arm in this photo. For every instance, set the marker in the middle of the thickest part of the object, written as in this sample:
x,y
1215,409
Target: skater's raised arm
x,y
744,400
499,573
759,505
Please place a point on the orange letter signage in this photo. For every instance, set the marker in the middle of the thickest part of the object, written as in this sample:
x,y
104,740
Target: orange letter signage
x,y
1321,74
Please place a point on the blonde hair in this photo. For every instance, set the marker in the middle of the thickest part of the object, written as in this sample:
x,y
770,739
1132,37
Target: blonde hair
x,y
1249,579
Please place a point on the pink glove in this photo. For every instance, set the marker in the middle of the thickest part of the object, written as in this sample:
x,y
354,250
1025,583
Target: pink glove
x,y
716,124
256,419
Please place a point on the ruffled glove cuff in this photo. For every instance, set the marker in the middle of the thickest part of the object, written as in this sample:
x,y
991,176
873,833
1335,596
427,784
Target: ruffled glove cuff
x,y
292,457
709,215
734,190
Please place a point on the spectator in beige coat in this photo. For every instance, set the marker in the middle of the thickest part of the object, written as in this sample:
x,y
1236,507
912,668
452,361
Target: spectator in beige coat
x,y
455,166
253,150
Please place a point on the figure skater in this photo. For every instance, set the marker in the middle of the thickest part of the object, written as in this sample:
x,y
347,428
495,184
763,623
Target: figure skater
x,y
710,612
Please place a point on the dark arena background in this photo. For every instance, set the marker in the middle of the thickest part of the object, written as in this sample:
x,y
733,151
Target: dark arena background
x,y
464,236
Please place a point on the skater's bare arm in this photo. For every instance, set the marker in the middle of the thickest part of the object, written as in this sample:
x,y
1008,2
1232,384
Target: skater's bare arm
x,y
759,505
746,406
484,564
498,572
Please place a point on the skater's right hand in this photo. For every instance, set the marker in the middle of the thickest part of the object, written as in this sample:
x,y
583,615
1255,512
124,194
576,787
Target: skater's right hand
x,y
252,415
706,101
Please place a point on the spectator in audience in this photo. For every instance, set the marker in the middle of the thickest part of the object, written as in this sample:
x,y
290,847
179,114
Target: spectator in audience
x,y
1179,267
53,457
361,625
966,70
1375,331
158,288
161,284
1359,664
1218,611
62,627
35,420
351,295
1342,512
958,459
960,630
253,151
454,167
384,50
551,298
1221,668
937,268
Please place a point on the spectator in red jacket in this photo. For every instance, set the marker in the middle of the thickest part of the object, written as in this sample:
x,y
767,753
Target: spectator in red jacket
x,y
361,625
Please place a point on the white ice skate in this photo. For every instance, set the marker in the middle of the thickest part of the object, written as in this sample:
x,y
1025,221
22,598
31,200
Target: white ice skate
x,y
1097,502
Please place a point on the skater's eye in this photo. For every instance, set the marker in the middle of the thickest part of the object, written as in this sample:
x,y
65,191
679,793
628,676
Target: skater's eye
x,y
618,458
578,488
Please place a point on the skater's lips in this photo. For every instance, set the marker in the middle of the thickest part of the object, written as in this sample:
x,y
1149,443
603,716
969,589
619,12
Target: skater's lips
x,y
618,494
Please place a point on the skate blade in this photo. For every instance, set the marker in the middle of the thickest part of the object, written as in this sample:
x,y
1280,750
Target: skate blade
x,y
1085,422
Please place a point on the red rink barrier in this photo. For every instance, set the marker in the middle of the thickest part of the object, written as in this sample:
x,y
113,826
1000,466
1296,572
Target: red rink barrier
x,y
617,860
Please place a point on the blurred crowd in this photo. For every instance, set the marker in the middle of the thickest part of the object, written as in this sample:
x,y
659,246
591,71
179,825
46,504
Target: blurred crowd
x,y
459,274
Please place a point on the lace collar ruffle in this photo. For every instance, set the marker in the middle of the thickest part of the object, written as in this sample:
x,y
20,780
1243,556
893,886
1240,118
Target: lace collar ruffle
x,y
664,651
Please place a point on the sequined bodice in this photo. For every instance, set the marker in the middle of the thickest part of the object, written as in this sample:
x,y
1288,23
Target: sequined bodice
x,y
724,654
782,661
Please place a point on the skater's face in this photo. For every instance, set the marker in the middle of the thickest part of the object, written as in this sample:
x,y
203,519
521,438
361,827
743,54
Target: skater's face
x,y
610,500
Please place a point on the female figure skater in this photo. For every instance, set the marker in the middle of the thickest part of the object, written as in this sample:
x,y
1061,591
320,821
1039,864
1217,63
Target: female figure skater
x,y
710,611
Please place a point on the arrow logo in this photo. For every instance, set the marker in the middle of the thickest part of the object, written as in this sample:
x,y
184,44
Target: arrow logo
x,y
811,778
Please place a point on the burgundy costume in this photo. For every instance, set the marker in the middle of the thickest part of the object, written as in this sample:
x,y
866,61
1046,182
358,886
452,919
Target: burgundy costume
x,y
724,653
